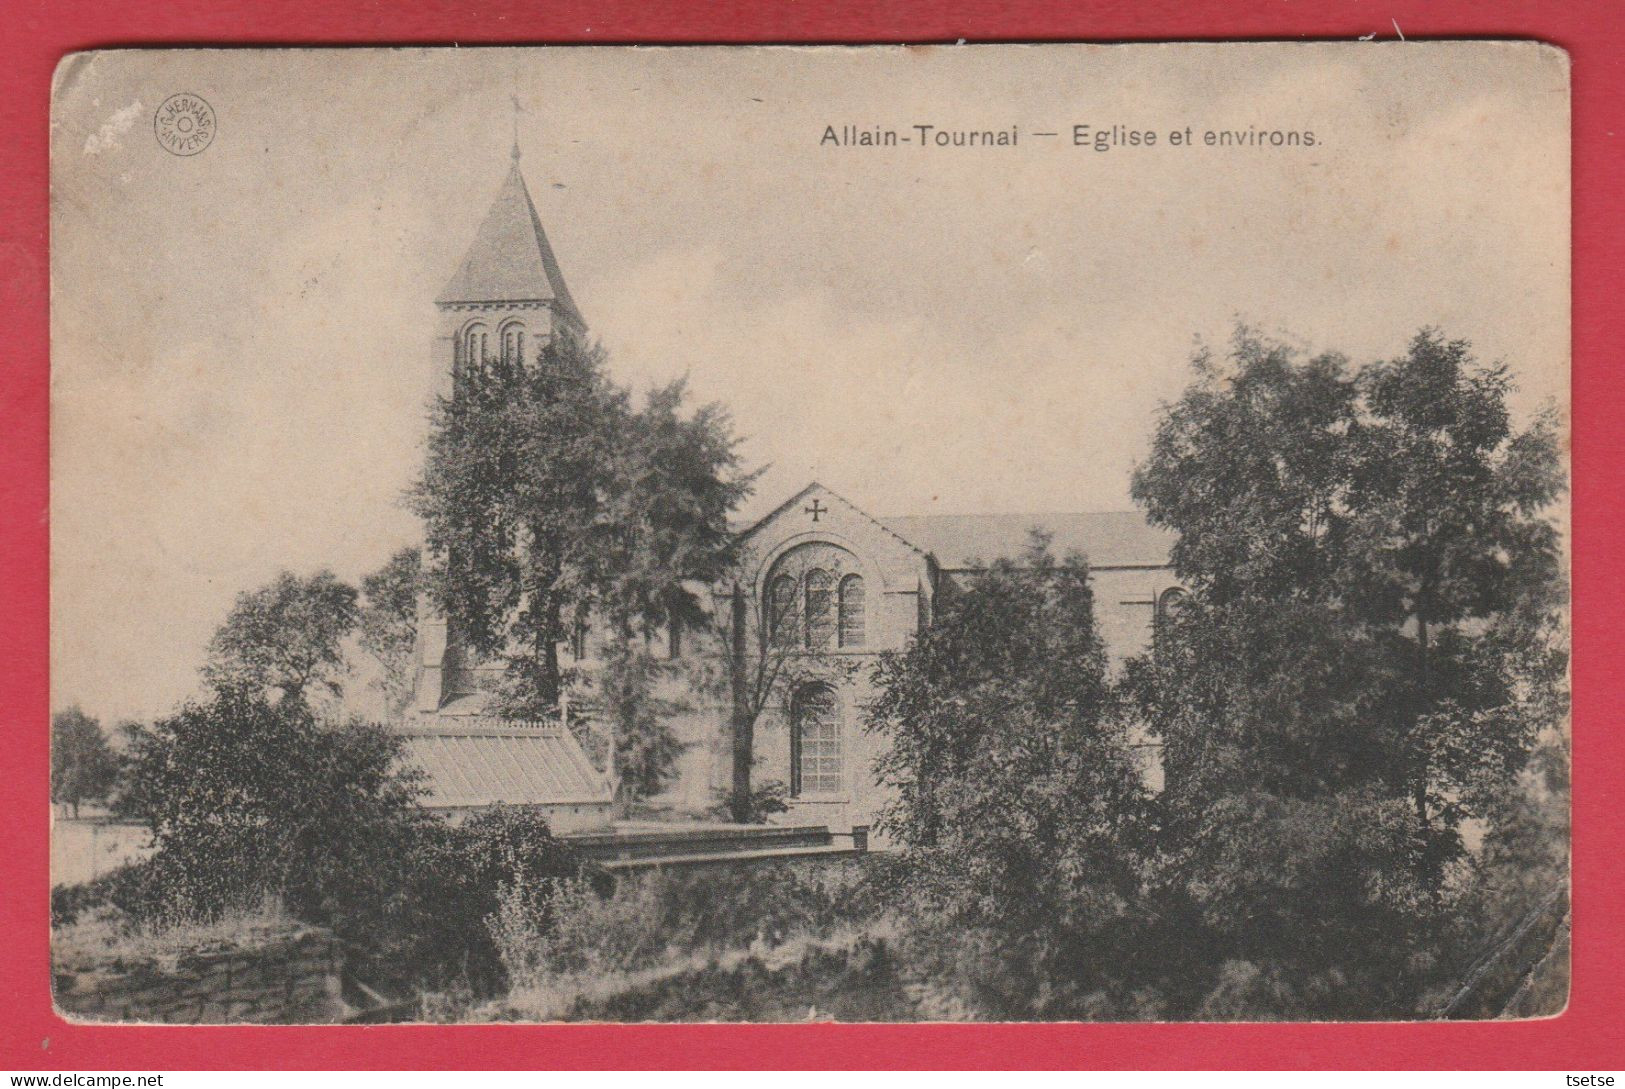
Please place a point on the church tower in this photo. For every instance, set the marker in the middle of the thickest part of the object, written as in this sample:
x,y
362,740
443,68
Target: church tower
x,y
507,299
508,296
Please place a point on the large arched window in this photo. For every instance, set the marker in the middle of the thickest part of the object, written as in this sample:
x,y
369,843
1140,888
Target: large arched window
x,y
851,611
820,616
781,608
815,741
813,599
513,343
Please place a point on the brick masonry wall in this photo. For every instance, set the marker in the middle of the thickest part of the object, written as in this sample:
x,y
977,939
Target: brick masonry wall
x,y
292,980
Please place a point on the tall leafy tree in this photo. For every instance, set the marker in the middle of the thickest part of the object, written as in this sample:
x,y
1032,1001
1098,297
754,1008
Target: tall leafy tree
x,y
388,620
676,479
1017,784
1446,527
83,764
548,497
520,466
1359,671
285,637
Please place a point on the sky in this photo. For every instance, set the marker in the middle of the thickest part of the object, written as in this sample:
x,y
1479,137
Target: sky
x,y
241,338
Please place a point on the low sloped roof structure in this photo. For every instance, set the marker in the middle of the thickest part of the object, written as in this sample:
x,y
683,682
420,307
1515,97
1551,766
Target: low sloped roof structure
x,y
474,761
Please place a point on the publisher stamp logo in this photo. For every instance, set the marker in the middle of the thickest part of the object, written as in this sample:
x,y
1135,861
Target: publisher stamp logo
x,y
184,124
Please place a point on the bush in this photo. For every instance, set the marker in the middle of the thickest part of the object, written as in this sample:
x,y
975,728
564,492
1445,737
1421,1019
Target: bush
x,y
244,798
130,889
105,936
434,933
569,929
850,979
248,799
760,804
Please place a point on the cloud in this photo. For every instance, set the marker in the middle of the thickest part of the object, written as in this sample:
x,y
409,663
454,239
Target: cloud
x,y
893,409
241,339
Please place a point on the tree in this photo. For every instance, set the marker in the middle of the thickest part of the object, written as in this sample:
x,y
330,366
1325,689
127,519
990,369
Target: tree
x,y
388,619
83,765
767,648
1446,526
286,637
645,749
547,497
519,464
1357,673
1016,785
676,479
246,798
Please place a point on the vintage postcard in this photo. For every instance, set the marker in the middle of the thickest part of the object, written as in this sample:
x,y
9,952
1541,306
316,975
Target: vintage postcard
x,y
967,533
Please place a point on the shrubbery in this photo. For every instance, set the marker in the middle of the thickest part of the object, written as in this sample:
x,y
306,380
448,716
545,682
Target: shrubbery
x,y
432,932
555,935
247,800
1018,792
1371,647
1361,709
245,797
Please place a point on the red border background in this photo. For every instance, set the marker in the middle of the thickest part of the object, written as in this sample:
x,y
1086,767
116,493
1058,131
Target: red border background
x,y
1588,1035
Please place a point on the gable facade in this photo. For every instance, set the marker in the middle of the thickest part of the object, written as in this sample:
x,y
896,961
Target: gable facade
x,y
810,735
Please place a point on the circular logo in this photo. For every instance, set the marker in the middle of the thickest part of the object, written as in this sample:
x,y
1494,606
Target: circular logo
x,y
184,124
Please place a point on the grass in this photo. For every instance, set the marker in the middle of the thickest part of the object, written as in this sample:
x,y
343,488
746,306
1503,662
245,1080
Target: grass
x,y
751,943
107,935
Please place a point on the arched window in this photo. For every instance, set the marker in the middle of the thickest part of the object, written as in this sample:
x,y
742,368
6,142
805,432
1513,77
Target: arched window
x,y
851,611
811,599
1169,605
815,741
513,343
475,343
781,608
820,620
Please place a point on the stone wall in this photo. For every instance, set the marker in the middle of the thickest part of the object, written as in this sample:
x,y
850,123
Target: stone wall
x,y
292,978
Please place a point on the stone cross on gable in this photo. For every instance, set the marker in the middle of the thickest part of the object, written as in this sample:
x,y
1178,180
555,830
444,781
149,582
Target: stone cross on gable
x,y
816,509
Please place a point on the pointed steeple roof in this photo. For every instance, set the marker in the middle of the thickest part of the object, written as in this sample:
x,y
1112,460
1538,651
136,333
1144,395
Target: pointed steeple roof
x,y
511,260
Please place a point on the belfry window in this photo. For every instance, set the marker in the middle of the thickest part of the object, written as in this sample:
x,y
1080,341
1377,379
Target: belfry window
x,y
851,608
513,344
475,344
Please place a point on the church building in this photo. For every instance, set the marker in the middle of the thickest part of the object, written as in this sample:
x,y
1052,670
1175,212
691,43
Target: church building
x,y
821,588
